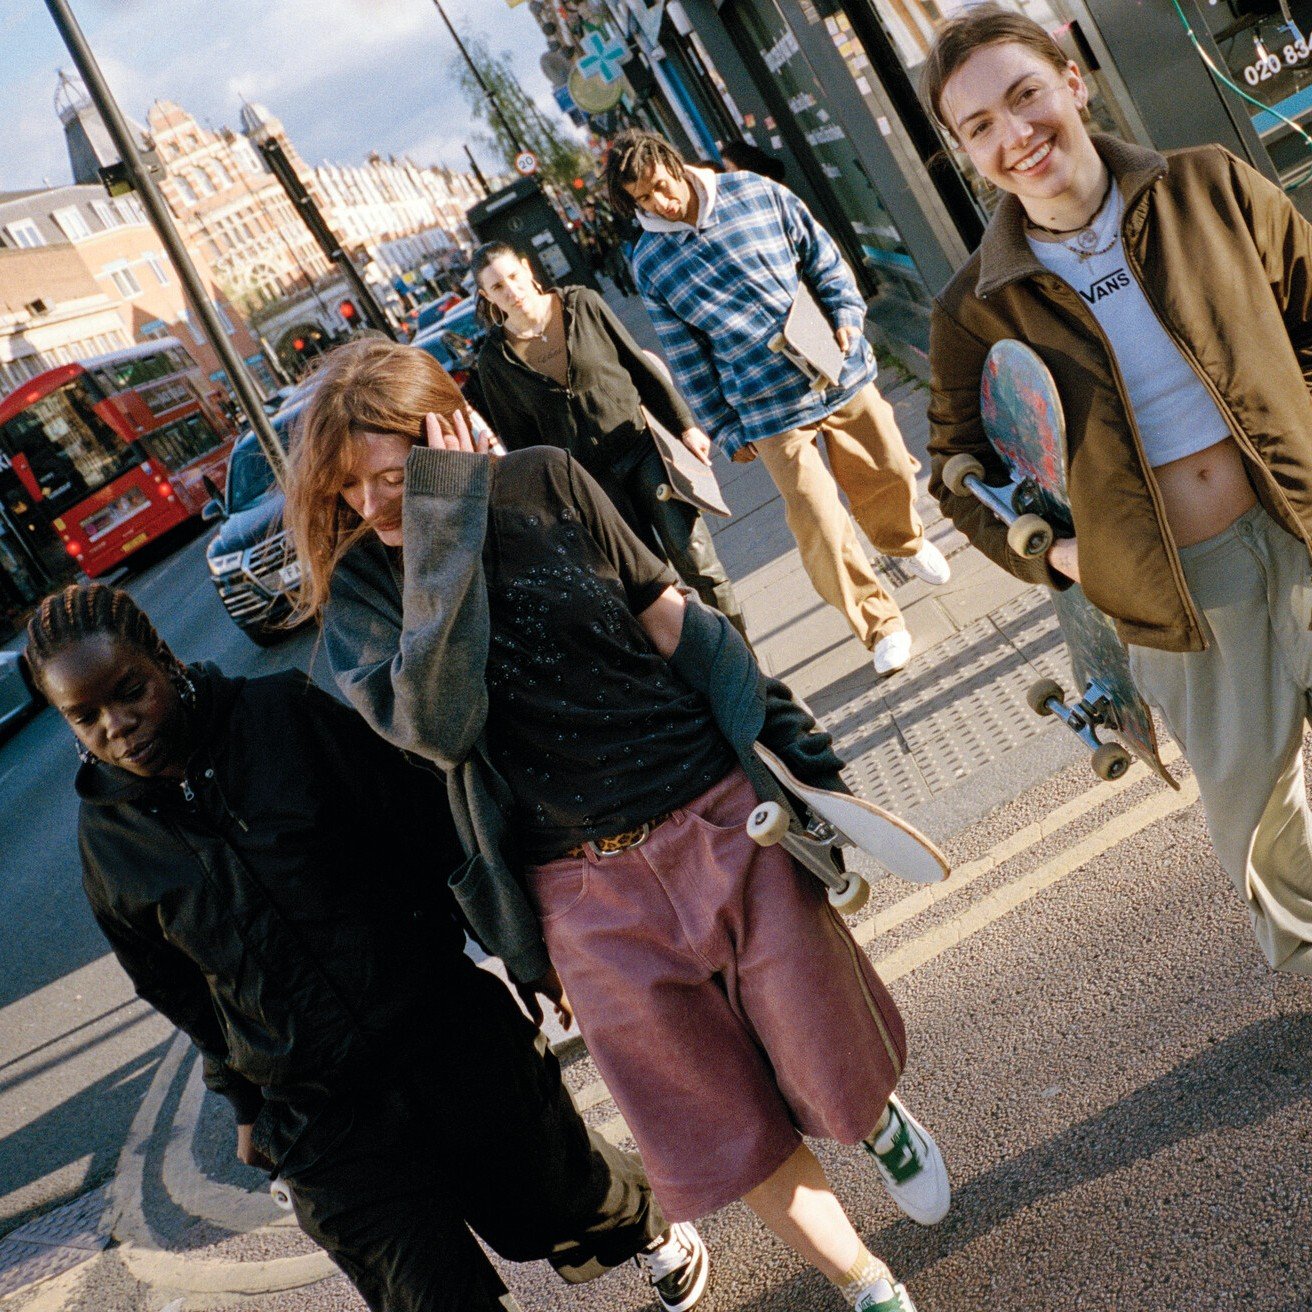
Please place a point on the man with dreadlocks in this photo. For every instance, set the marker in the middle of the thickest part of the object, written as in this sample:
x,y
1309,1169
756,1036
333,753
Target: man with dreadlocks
x,y
272,877
719,264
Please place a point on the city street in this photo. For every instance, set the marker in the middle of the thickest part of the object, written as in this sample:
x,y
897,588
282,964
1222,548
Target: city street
x,y
1119,1085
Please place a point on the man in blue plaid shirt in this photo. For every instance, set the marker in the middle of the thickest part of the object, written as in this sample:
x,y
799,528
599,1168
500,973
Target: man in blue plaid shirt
x,y
718,267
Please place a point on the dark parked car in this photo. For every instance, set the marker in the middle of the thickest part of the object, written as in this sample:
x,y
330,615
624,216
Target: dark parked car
x,y
250,559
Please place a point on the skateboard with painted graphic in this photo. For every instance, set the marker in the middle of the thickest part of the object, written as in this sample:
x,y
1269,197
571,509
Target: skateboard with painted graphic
x,y
1024,422
831,820
808,341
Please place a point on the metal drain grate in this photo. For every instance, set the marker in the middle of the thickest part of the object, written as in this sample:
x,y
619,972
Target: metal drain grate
x,y
54,1243
918,736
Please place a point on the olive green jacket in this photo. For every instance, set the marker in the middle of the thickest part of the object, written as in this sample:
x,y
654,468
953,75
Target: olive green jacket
x,y
1226,262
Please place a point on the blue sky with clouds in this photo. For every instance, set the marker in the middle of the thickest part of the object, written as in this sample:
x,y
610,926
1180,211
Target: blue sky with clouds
x,y
345,76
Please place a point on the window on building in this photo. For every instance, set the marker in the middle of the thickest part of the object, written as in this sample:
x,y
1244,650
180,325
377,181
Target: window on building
x,y
185,189
131,209
125,280
156,328
201,181
221,176
223,318
196,335
157,266
72,223
25,233
108,214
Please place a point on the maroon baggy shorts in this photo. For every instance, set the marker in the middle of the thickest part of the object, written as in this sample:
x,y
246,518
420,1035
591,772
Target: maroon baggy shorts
x,y
725,1003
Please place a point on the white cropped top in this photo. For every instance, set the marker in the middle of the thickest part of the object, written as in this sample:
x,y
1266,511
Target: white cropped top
x,y
1175,412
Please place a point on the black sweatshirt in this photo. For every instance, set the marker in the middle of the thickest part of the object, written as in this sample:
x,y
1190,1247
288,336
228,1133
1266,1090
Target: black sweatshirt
x,y
287,908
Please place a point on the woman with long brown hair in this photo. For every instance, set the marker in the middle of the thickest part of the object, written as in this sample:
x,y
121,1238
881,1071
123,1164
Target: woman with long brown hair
x,y
499,618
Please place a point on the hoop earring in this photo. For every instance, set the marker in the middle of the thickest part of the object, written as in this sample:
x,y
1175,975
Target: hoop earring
x,y
494,312
84,753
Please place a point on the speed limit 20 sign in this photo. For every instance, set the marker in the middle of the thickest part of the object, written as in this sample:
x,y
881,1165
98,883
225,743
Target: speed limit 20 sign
x,y
526,162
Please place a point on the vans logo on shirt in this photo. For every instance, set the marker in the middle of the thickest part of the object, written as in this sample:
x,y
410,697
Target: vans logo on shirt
x,y
1113,282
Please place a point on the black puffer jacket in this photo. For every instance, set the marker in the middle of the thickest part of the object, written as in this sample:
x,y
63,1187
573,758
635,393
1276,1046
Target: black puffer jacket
x,y
287,905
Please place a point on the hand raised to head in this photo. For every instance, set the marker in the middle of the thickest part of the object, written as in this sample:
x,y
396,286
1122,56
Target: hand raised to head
x,y
452,433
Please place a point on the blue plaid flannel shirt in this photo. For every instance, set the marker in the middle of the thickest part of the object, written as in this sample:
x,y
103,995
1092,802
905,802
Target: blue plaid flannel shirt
x,y
717,296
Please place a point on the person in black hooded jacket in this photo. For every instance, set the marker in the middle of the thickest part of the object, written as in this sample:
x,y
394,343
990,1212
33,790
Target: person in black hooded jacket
x,y
272,876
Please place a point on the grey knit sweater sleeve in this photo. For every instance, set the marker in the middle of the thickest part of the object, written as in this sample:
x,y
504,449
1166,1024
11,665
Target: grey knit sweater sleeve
x,y
413,664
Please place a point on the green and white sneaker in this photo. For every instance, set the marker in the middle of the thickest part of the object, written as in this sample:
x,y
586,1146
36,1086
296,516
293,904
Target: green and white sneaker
x,y
883,1297
911,1166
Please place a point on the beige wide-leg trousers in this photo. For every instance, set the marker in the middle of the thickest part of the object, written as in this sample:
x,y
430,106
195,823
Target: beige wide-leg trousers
x,y
878,476
1238,710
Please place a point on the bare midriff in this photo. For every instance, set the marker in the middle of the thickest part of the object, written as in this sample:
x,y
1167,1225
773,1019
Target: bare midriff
x,y
1206,492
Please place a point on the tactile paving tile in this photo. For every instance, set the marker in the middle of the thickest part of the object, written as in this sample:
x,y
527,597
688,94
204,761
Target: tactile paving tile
x,y
958,710
53,1243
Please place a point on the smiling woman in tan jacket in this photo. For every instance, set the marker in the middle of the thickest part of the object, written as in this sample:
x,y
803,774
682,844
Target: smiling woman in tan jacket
x,y
1171,298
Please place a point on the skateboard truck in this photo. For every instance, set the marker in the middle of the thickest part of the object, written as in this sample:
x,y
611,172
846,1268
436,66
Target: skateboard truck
x,y
1095,708
1027,535
812,847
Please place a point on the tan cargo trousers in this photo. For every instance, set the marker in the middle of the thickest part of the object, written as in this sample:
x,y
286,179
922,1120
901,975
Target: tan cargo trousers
x,y
1238,711
877,474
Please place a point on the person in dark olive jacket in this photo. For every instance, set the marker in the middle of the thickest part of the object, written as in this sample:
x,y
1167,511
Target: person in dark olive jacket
x,y
559,369
272,876
1170,296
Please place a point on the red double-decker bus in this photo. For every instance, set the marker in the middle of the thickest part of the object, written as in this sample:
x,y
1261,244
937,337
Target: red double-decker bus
x,y
97,459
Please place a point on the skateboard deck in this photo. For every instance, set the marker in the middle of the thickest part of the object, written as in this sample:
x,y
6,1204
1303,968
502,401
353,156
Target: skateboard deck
x,y
841,820
807,340
687,479
1024,422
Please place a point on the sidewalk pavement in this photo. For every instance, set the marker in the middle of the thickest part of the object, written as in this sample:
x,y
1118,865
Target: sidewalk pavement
x,y
941,743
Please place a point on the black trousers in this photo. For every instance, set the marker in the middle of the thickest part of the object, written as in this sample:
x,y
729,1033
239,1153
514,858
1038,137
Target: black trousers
x,y
677,531
476,1132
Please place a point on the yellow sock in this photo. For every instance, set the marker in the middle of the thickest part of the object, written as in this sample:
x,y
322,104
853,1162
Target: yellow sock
x,y
862,1274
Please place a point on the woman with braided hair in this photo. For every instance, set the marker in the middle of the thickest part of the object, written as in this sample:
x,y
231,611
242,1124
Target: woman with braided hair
x,y
270,874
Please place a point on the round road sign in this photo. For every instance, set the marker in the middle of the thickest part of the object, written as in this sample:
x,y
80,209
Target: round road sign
x,y
526,162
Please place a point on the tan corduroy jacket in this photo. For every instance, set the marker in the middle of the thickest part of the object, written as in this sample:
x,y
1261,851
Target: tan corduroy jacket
x,y
1226,262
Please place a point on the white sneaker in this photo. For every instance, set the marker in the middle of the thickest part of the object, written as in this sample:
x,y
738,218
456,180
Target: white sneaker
x,y
928,563
883,1297
911,1166
892,652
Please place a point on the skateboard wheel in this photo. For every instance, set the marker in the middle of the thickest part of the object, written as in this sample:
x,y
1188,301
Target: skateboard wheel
x,y
849,899
767,824
962,466
280,1193
1039,694
1111,761
777,342
664,492
1030,536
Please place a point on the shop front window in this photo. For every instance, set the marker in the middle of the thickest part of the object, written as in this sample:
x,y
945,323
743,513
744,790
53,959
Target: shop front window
x,y
876,240
1269,58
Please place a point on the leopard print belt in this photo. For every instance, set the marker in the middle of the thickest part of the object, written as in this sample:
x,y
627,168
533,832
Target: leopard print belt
x,y
613,844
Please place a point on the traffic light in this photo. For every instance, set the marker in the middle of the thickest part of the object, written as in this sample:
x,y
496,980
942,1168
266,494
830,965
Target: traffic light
x,y
349,312
298,345
579,184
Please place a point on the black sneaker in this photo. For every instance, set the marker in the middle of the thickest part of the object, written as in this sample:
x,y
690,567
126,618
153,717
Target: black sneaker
x,y
677,1266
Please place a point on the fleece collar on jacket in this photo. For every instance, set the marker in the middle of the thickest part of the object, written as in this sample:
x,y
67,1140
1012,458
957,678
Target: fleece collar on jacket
x,y
704,182
1004,253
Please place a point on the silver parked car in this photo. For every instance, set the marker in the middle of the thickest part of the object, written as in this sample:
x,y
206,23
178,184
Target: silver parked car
x,y
18,699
